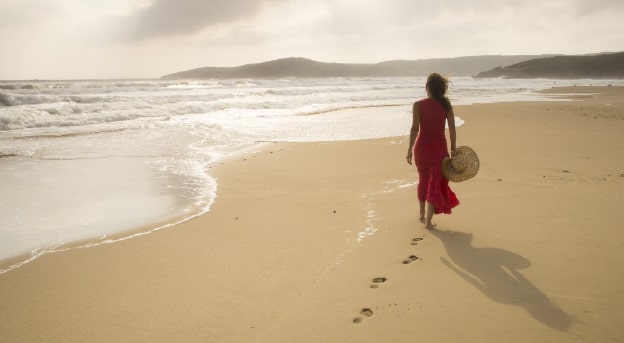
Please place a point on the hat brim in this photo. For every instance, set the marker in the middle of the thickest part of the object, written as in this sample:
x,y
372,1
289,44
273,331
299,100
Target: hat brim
x,y
469,159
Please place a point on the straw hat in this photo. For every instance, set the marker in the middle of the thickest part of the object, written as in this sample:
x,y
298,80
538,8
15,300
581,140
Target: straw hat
x,y
463,166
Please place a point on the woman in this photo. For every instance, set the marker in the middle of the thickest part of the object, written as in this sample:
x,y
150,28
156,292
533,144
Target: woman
x,y
428,145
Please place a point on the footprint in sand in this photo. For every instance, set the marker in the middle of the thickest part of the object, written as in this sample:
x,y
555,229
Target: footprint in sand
x,y
377,281
411,259
366,312
416,240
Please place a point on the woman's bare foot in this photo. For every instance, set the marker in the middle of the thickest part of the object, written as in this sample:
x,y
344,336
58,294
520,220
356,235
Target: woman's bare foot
x,y
422,218
431,226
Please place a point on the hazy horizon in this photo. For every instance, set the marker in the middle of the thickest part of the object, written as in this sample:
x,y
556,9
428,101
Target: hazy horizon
x,y
138,39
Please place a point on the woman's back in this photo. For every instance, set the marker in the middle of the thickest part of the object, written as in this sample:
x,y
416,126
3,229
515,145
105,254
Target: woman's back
x,y
432,124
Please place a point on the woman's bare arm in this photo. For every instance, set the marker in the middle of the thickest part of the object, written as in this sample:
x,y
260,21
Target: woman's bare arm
x,y
450,118
413,131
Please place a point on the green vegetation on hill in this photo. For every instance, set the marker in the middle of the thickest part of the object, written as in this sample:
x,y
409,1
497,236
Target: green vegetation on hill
x,y
302,67
602,66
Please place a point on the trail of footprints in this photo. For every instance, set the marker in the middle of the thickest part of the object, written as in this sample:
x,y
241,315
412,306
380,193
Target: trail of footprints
x,y
378,281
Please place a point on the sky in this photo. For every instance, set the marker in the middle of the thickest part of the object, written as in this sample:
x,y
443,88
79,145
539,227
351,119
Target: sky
x,y
86,39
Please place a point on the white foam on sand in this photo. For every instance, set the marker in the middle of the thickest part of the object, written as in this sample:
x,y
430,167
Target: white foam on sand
x,y
48,203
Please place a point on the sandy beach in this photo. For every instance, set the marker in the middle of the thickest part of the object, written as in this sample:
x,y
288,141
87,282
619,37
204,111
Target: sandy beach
x,y
320,242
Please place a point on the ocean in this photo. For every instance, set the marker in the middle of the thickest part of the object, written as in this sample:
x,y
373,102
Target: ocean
x,y
90,159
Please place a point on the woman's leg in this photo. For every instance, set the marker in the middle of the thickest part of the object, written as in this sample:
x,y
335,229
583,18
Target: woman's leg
x,y
430,212
423,183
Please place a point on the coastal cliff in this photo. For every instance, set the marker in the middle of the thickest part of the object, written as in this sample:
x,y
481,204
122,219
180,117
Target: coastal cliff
x,y
602,66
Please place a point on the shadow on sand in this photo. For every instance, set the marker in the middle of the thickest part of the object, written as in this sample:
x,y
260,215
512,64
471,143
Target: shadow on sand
x,y
495,273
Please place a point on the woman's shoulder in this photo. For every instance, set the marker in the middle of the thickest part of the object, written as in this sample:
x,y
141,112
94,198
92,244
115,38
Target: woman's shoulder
x,y
421,101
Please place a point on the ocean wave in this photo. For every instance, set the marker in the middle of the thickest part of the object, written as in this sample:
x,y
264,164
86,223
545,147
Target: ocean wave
x,y
57,117
8,154
7,99
65,114
17,86
36,104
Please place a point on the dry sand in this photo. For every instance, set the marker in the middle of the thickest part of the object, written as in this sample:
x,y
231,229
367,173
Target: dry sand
x,y
321,242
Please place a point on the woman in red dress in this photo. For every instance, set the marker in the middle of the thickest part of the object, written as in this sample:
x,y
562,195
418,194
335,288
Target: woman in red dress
x,y
428,146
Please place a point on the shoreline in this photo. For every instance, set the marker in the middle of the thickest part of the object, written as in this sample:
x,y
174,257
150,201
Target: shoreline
x,y
106,199
166,222
277,257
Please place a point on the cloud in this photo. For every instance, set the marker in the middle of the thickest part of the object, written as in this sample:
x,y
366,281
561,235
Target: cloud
x,y
358,18
143,38
18,13
589,7
185,17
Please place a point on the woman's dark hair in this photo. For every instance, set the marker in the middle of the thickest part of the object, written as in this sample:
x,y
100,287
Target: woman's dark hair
x,y
437,86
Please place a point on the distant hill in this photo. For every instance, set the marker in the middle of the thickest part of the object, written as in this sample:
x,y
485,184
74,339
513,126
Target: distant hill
x,y
601,66
303,67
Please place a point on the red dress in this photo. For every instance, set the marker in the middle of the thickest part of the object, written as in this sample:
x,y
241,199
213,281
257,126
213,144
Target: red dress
x,y
429,151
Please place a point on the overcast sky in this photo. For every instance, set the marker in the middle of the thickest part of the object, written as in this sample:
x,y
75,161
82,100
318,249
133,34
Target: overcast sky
x,y
67,39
